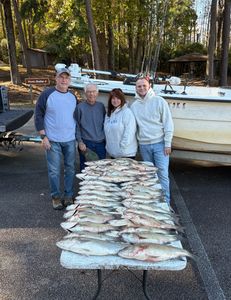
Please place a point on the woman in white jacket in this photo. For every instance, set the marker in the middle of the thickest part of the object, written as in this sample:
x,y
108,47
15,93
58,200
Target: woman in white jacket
x,y
120,127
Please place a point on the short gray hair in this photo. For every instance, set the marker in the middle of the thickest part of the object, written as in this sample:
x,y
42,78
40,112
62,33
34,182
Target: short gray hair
x,y
89,84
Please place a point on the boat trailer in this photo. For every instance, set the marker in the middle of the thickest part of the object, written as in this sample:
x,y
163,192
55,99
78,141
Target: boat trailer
x,y
15,140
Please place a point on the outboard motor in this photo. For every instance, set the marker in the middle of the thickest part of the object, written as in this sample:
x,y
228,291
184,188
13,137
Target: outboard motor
x,y
4,102
171,81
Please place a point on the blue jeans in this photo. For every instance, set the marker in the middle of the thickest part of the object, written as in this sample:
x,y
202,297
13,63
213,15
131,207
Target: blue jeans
x,y
155,154
98,148
67,152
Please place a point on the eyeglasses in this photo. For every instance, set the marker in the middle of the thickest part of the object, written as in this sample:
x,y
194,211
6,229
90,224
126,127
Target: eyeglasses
x,y
91,92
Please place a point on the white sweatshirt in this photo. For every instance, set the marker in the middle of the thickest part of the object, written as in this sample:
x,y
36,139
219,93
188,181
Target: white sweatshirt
x,y
153,118
120,132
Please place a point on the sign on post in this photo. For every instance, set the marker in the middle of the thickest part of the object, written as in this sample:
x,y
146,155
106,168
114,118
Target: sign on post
x,y
36,81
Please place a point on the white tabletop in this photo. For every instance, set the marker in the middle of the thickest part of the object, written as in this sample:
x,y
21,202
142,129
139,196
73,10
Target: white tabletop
x,y
71,260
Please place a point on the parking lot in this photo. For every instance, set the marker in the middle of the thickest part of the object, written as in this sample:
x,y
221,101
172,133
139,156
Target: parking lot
x,y
29,228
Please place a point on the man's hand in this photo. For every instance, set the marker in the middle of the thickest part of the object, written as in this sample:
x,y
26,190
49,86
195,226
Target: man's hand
x,y
167,151
82,146
46,144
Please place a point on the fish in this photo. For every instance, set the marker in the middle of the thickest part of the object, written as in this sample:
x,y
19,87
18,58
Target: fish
x,y
137,205
149,222
120,222
98,182
99,187
101,203
97,197
140,195
99,219
89,235
143,189
141,201
83,176
149,182
97,193
153,252
101,162
91,227
153,214
149,238
144,229
90,247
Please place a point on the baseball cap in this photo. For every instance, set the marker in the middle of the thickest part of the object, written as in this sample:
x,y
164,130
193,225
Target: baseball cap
x,y
63,70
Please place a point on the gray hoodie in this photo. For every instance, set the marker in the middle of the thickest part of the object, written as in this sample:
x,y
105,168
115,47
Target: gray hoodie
x,y
153,118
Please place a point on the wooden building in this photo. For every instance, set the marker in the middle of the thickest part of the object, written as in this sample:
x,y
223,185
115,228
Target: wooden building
x,y
194,64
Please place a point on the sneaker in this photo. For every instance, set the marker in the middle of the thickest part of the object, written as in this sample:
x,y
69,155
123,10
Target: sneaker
x,y
57,203
67,201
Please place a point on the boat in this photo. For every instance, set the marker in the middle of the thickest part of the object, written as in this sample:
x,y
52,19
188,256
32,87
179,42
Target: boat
x,y
201,115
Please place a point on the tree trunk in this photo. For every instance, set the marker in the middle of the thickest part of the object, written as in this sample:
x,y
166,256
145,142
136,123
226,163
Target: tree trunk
x,y
101,38
14,74
21,38
212,42
2,20
225,44
139,47
111,49
130,48
95,48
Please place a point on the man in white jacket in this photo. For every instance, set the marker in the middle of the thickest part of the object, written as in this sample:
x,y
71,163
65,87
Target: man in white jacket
x,y
155,130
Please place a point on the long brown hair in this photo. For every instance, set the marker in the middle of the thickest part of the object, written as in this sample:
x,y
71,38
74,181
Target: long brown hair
x,y
118,93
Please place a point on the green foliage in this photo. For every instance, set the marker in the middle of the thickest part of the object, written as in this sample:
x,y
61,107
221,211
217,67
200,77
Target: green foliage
x,y
189,48
4,51
60,27
4,56
34,10
67,36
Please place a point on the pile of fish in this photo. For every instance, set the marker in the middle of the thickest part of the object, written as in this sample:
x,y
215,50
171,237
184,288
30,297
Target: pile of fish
x,y
120,210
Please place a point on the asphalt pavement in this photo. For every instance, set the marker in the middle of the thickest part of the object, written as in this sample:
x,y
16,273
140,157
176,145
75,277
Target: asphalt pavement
x,y
29,228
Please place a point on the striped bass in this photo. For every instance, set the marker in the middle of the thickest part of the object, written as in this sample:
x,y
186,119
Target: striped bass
x,y
98,182
90,235
153,214
136,205
99,187
91,227
97,197
153,252
99,219
149,182
144,229
149,238
149,222
90,247
101,203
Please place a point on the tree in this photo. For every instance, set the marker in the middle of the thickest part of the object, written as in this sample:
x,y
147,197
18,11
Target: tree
x,y
21,38
14,74
95,48
225,43
212,42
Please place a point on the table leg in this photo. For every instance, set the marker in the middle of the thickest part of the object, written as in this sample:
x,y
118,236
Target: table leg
x,y
145,275
99,273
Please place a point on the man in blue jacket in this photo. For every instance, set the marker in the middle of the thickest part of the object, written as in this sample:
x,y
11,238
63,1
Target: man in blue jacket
x,y
54,120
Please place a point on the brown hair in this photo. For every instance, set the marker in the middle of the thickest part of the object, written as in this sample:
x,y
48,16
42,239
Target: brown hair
x,y
145,78
118,93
